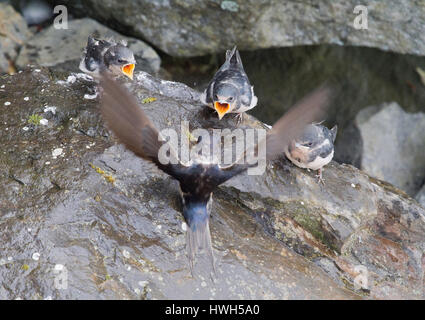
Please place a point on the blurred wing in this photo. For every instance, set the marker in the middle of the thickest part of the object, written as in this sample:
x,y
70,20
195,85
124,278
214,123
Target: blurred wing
x,y
287,128
130,124
310,109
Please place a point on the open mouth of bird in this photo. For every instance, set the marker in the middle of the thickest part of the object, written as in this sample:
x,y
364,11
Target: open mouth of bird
x,y
128,70
221,108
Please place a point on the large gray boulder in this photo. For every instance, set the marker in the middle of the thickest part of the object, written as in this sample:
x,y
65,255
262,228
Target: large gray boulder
x,y
389,143
197,27
63,48
81,217
13,34
420,196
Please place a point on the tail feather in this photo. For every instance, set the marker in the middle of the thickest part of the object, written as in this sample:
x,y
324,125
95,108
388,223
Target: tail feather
x,y
233,58
198,237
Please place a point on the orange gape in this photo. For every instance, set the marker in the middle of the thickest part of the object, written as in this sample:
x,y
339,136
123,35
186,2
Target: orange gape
x,y
221,107
128,70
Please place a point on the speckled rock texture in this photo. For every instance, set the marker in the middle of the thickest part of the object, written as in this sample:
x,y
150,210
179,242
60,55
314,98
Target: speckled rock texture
x,y
13,34
63,48
197,27
81,217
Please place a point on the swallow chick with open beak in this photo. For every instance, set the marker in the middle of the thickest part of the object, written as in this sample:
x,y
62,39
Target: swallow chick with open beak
x,y
199,177
230,90
313,149
107,56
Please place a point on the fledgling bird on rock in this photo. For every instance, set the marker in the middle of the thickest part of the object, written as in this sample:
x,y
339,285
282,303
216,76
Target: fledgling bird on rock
x,y
107,56
230,91
313,149
197,178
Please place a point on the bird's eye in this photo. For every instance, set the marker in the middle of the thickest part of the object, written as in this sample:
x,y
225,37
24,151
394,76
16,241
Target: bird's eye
x,y
230,99
298,159
215,97
121,61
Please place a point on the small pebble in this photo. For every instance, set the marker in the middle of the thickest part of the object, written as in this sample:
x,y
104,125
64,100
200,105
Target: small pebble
x,y
26,98
51,109
142,283
7,103
126,254
353,185
59,267
184,226
2,86
25,128
44,122
36,256
57,152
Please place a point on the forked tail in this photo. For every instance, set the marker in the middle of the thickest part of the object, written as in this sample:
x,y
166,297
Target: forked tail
x,y
198,237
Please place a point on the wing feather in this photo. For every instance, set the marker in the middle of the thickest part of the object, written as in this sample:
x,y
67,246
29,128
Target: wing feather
x,y
133,128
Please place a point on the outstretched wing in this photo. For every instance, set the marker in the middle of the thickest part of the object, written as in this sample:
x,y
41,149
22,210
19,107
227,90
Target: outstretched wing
x,y
133,128
309,109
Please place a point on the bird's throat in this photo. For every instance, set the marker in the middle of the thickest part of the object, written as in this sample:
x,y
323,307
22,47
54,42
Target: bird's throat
x,y
128,70
221,108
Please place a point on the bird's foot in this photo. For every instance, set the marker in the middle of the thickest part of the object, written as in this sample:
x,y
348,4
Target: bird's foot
x,y
239,118
319,177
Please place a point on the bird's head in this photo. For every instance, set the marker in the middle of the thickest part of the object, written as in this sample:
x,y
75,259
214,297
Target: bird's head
x,y
224,98
311,138
120,61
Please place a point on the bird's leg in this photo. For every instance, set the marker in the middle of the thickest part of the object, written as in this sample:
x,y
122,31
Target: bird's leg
x,y
239,118
319,176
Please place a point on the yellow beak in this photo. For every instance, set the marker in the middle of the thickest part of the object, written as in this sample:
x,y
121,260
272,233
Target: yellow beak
x,y
128,70
221,108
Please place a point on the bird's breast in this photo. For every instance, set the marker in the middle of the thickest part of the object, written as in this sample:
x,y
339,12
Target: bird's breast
x,y
320,161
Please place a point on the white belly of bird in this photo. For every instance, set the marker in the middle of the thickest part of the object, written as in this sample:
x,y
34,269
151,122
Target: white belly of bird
x,y
319,162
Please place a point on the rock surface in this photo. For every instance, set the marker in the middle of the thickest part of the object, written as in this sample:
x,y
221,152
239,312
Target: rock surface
x,y
391,145
420,196
64,47
13,33
74,201
197,27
